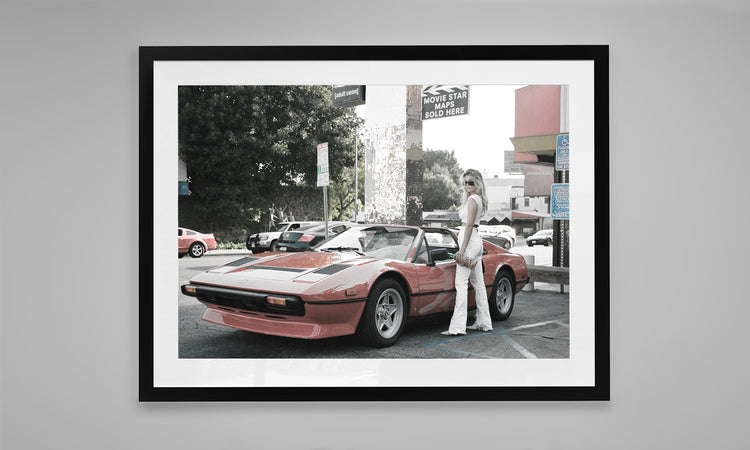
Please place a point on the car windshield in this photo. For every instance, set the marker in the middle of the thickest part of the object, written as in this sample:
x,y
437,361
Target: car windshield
x,y
381,241
281,227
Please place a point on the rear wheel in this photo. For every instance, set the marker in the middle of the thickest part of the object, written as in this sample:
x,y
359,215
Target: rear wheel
x,y
507,245
548,243
196,250
501,302
384,317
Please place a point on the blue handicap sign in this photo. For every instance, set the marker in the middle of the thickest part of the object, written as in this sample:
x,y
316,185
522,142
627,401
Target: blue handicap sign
x,y
560,202
562,152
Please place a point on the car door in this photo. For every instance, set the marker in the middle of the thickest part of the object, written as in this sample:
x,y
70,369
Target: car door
x,y
437,292
182,240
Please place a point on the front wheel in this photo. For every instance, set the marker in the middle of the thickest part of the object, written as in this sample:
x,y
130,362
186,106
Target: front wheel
x,y
501,302
196,250
384,317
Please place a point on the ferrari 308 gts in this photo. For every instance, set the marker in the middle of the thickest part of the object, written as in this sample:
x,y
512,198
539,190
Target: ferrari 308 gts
x,y
364,281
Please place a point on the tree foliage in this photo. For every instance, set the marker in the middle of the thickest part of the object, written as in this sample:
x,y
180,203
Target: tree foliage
x,y
247,148
441,180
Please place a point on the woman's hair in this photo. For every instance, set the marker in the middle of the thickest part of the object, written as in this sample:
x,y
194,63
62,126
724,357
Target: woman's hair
x,y
479,182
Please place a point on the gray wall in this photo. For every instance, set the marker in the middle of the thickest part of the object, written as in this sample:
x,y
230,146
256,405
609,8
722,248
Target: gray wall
x,y
69,121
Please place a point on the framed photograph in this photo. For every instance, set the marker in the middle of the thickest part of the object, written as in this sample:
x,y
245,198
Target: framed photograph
x,y
364,150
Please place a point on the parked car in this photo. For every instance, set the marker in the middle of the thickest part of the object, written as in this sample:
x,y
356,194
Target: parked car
x,y
263,242
193,243
501,235
507,232
304,238
365,281
543,237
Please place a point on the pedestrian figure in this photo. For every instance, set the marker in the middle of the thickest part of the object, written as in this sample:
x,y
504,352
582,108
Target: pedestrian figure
x,y
468,258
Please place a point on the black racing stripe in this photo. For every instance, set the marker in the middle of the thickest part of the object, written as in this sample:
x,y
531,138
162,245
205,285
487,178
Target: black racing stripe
x,y
242,261
330,270
281,269
471,288
433,293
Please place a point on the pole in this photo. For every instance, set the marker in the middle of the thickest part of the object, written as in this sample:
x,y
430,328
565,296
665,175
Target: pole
x,y
356,176
325,207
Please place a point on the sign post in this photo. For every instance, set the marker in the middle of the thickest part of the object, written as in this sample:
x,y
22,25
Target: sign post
x,y
323,179
560,202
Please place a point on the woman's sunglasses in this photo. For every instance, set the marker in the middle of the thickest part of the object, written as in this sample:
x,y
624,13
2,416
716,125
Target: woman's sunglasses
x,y
468,183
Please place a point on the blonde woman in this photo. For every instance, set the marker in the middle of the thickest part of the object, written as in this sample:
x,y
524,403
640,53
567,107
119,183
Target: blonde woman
x,y
468,257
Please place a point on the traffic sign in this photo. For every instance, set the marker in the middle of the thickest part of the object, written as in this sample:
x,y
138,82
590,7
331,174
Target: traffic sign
x,y
560,201
562,152
323,164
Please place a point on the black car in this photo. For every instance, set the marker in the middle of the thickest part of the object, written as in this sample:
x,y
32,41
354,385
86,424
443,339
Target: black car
x,y
541,237
304,238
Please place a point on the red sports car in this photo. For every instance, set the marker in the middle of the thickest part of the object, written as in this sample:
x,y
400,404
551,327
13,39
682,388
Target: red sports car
x,y
193,243
365,281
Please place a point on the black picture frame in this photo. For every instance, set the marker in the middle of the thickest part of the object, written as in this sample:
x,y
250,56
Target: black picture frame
x,y
598,55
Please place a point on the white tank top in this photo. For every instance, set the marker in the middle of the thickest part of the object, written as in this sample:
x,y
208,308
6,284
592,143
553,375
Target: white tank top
x,y
463,213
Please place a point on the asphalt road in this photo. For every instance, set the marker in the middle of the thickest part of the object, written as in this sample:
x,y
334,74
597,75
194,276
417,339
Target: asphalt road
x,y
538,328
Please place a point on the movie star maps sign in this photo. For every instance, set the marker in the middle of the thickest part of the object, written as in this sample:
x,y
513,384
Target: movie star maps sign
x,y
444,100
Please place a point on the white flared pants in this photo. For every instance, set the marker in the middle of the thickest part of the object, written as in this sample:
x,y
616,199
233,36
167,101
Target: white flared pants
x,y
473,251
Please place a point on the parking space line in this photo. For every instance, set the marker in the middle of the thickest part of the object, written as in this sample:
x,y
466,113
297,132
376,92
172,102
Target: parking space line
x,y
438,345
534,325
503,333
519,348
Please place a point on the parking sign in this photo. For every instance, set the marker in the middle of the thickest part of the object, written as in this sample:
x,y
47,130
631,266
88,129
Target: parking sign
x,y
562,152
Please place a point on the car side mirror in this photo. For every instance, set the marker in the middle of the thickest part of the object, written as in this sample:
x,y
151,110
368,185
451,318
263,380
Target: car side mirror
x,y
439,254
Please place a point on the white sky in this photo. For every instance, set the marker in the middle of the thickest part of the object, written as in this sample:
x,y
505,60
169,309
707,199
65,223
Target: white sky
x,y
481,137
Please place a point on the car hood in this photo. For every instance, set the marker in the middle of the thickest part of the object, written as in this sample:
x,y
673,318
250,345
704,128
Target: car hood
x,y
280,272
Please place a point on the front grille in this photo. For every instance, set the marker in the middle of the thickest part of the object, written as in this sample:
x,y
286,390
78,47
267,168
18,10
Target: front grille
x,y
245,300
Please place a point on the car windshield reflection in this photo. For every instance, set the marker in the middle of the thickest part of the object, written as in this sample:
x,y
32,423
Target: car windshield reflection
x,y
387,242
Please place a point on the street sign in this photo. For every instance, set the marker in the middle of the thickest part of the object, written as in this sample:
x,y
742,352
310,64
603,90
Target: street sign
x,y
559,201
348,95
562,152
444,101
323,164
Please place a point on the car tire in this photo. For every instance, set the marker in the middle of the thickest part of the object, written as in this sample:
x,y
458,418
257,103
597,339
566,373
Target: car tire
x,y
507,245
385,314
274,246
503,296
196,250
547,243
530,244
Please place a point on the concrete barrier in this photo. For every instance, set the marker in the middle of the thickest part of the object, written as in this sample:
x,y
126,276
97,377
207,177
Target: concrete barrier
x,y
529,263
552,275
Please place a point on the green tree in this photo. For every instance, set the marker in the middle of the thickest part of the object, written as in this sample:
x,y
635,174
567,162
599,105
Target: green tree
x,y
441,180
341,193
248,147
